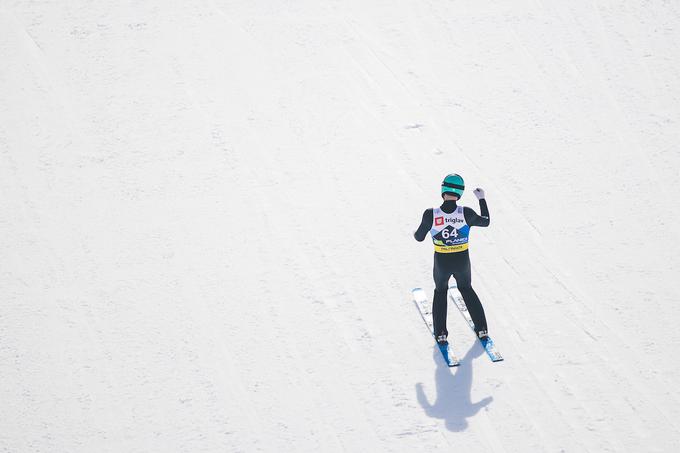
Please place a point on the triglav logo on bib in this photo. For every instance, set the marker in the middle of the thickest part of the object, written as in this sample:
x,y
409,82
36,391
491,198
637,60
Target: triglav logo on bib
x,y
439,221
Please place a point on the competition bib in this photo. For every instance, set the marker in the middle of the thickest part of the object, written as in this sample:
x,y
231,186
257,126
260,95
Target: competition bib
x,y
449,232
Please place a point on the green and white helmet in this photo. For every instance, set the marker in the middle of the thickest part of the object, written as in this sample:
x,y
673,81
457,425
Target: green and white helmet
x,y
453,184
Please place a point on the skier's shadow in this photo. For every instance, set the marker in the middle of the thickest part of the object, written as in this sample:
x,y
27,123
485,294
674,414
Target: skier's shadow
x,y
453,403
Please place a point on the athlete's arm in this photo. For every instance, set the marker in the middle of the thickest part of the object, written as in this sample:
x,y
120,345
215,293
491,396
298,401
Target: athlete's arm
x,y
473,219
425,226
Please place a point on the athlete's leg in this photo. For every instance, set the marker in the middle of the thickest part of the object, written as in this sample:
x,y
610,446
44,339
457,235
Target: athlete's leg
x,y
439,302
463,278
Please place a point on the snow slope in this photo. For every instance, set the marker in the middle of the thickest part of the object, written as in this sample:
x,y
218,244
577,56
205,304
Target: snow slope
x,y
206,212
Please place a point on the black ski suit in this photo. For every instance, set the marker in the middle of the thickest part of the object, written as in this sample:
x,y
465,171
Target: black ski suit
x,y
456,264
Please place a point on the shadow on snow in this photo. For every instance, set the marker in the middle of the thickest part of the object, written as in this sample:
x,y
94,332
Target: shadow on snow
x,y
453,403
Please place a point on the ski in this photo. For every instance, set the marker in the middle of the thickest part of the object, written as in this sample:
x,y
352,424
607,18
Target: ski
x,y
488,344
420,299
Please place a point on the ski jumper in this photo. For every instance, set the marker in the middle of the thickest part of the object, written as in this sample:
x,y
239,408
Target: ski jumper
x,y
449,225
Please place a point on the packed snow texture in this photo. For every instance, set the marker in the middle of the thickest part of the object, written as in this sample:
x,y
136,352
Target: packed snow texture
x,y
207,208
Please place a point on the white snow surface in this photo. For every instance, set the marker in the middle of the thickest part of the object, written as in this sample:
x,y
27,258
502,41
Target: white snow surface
x,y
207,207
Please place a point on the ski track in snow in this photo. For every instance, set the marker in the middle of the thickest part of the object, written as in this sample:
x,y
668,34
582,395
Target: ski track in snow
x,y
207,212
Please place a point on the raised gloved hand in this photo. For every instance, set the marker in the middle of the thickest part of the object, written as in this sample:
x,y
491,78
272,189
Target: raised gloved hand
x,y
479,193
